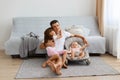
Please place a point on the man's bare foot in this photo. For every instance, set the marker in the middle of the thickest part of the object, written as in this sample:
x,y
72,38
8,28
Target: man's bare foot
x,y
65,66
52,66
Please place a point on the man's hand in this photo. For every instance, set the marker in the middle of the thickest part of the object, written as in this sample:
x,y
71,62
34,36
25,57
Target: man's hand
x,y
83,38
83,47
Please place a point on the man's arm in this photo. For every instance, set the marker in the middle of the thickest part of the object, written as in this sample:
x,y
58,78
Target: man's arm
x,y
83,38
79,36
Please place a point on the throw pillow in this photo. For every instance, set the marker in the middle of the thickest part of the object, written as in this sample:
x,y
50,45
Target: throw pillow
x,y
78,29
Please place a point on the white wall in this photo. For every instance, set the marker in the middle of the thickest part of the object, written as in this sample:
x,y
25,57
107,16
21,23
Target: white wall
x,y
34,8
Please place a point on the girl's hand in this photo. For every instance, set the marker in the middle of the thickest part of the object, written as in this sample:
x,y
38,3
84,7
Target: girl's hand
x,y
59,34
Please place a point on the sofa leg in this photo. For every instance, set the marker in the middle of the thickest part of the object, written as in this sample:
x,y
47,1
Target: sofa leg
x,y
15,56
95,54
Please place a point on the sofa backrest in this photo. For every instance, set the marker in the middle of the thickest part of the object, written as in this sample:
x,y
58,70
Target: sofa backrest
x,y
24,25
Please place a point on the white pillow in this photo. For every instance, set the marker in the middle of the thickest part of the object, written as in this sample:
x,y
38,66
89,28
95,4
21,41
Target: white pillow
x,y
78,29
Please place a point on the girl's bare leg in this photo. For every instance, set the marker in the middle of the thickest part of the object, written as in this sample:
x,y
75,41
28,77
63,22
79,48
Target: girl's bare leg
x,y
52,66
52,58
58,70
58,66
55,63
64,59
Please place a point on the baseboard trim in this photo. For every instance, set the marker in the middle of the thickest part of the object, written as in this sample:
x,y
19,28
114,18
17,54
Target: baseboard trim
x,y
2,48
31,56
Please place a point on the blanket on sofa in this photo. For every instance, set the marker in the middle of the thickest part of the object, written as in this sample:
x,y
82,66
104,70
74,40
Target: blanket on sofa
x,y
28,45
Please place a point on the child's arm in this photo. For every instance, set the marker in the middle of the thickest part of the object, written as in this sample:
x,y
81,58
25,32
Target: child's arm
x,y
59,34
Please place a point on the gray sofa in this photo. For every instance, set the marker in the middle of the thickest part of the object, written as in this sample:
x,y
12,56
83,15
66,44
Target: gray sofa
x,y
24,25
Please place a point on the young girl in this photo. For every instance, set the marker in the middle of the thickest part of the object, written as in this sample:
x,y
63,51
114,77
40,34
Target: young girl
x,y
77,50
55,61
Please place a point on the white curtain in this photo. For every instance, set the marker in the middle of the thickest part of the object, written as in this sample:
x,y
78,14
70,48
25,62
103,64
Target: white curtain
x,y
112,26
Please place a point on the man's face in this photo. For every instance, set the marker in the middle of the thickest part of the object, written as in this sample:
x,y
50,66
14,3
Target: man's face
x,y
56,27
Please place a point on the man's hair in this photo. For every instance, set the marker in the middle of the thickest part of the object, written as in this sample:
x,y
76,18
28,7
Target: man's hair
x,y
53,22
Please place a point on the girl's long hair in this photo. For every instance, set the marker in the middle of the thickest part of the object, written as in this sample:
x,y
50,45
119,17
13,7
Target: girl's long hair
x,y
47,35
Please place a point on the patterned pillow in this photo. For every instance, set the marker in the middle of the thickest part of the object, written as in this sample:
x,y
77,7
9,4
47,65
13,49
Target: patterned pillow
x,y
78,29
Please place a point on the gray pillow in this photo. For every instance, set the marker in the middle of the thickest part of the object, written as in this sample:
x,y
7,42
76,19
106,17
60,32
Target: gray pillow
x,y
69,40
78,29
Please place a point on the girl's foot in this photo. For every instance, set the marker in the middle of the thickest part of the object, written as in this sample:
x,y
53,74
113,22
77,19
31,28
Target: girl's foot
x,y
58,70
52,66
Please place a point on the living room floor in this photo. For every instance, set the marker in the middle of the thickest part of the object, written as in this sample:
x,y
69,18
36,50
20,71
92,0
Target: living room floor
x,y
9,68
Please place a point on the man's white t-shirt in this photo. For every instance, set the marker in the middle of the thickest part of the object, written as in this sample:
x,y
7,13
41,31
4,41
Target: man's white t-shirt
x,y
59,43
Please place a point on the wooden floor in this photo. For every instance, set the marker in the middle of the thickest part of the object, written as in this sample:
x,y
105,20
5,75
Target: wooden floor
x,y
9,67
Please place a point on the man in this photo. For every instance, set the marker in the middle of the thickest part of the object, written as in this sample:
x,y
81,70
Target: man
x,y
62,35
